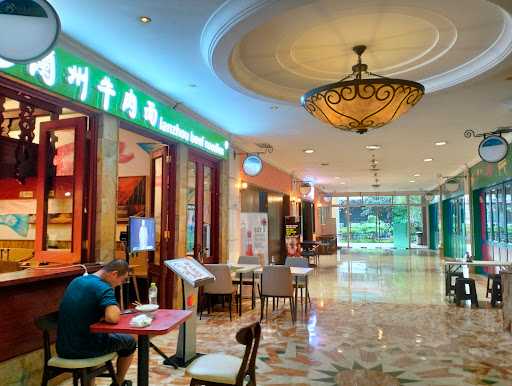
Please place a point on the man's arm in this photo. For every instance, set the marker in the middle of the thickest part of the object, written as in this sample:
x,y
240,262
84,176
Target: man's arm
x,y
112,314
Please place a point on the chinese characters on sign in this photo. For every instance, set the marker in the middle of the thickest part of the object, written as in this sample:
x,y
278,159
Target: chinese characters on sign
x,y
69,75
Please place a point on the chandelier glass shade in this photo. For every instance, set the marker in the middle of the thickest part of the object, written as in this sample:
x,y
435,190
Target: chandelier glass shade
x,y
358,103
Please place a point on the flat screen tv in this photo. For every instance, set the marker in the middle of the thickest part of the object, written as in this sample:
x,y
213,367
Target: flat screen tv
x,y
141,234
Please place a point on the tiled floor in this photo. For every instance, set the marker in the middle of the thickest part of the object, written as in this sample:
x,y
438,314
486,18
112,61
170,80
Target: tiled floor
x,y
378,318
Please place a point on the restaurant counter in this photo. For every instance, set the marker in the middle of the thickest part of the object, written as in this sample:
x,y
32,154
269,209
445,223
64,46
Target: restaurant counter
x,y
26,295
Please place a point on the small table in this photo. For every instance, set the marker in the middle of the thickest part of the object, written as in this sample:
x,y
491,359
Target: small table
x,y
241,269
453,265
163,322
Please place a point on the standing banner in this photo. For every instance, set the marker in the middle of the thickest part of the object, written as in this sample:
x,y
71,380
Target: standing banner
x,y
292,235
254,236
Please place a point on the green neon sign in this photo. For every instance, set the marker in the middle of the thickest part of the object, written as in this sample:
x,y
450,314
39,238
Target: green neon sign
x,y
66,74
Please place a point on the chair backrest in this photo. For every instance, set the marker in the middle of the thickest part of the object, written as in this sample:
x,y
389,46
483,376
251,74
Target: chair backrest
x,y
47,324
301,262
276,280
223,283
249,260
250,337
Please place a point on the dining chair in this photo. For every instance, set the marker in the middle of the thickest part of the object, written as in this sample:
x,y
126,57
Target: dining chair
x,y
222,369
276,282
85,369
300,262
249,278
222,286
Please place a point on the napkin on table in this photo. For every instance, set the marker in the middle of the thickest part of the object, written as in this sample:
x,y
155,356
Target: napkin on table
x,y
141,320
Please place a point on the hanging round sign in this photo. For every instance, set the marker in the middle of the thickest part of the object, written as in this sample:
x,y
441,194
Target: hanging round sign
x,y
493,148
252,165
30,30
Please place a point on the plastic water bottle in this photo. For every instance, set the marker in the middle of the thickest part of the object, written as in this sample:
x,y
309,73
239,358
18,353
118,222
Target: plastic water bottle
x,y
153,294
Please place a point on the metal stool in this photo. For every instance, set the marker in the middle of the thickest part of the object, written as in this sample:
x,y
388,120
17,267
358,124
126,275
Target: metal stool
x,y
496,294
461,294
491,276
450,285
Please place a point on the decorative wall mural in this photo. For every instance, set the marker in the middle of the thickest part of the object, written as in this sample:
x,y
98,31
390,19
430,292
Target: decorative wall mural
x,y
131,197
17,222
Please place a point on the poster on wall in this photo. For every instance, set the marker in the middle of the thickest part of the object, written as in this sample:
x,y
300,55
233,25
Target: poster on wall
x,y
254,236
292,235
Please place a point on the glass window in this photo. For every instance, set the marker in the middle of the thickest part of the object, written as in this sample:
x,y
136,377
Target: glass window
x,y
355,200
508,204
488,216
501,214
207,209
495,216
414,199
376,200
399,199
157,204
59,190
191,207
339,201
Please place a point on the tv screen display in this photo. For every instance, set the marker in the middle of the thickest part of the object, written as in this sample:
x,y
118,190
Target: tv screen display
x,y
141,234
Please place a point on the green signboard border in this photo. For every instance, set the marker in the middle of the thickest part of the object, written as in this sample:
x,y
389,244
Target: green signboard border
x,y
71,76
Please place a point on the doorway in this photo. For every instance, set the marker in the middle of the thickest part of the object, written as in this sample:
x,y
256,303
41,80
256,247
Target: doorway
x,y
202,238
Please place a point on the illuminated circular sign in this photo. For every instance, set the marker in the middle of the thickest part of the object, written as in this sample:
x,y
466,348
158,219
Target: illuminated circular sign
x,y
493,148
30,30
252,165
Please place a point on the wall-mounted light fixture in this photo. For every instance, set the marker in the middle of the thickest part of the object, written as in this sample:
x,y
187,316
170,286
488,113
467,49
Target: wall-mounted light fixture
x,y
244,185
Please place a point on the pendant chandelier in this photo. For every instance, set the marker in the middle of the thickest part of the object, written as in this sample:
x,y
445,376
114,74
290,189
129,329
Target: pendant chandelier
x,y
358,103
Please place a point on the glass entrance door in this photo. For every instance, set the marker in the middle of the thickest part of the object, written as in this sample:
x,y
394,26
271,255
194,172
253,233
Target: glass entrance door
x,y
202,208
162,209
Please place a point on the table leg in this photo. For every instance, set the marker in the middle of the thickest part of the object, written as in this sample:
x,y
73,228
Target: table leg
x,y
240,297
307,294
296,294
143,360
253,297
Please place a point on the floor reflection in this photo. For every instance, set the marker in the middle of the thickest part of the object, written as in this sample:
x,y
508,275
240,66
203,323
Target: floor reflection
x,y
378,318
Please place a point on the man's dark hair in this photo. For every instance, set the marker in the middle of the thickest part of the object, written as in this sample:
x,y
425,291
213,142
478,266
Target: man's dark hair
x,y
117,265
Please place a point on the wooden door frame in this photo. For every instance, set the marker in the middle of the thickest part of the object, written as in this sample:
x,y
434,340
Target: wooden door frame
x,y
21,91
168,222
79,126
202,159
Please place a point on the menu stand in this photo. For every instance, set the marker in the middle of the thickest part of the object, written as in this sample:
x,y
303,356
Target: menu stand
x,y
193,275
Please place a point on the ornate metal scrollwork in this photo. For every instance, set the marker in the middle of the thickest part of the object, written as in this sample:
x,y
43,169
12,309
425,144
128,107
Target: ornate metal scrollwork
x,y
468,133
23,155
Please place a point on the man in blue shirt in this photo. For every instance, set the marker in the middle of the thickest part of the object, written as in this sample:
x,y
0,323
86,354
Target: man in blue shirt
x,y
87,300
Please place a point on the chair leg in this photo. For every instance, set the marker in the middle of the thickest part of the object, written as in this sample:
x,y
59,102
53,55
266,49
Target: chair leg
x,y
76,378
111,371
301,298
273,304
262,301
44,381
84,377
266,307
230,298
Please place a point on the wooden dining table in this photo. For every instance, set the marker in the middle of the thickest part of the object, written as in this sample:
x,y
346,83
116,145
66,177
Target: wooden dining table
x,y
164,321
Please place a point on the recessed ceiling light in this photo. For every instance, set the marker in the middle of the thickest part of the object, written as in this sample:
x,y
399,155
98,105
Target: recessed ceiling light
x,y
308,151
440,143
428,159
373,147
274,107
417,175
336,178
145,19
342,183
412,181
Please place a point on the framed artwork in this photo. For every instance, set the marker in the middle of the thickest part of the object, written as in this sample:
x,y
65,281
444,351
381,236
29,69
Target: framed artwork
x,y
131,197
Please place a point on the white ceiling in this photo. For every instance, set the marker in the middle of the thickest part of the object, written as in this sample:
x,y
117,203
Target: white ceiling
x,y
244,57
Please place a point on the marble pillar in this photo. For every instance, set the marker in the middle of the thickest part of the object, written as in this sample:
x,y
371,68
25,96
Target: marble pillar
x,y
231,207
106,187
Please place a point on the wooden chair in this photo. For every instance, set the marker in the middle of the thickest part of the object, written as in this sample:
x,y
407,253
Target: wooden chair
x,y
222,286
84,369
223,369
276,282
